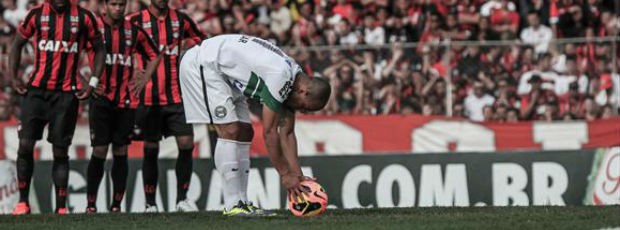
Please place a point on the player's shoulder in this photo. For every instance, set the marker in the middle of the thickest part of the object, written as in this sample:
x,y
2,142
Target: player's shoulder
x,y
181,13
36,10
136,27
38,7
82,10
99,21
136,15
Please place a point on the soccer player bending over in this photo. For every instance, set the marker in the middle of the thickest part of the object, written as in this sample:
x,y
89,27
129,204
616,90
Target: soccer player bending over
x,y
112,107
216,78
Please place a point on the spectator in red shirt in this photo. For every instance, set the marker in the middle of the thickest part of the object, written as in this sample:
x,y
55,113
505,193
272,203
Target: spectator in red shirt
x,y
533,103
343,8
505,21
572,102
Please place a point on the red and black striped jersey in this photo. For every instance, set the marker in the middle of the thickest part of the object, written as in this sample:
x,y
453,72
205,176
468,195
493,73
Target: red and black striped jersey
x,y
169,32
58,39
121,42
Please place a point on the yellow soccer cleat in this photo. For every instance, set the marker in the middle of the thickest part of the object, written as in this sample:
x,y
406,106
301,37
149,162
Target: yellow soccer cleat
x,y
259,211
239,210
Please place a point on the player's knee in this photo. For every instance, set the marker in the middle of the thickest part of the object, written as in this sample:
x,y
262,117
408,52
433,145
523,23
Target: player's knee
x,y
26,147
119,150
100,151
228,131
185,142
60,151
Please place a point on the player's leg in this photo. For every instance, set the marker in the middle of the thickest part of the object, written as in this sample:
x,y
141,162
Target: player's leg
x,y
149,121
94,175
100,121
60,176
62,124
246,132
183,170
207,99
176,125
228,165
25,167
121,138
243,153
119,172
232,152
150,173
32,122
243,156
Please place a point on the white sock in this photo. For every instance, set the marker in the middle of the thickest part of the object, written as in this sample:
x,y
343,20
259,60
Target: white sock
x,y
243,156
228,166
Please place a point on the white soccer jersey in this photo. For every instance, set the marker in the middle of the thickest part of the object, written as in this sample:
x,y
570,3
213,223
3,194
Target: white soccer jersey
x,y
257,68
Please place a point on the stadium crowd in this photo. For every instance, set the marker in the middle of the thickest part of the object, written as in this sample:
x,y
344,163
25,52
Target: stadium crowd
x,y
376,68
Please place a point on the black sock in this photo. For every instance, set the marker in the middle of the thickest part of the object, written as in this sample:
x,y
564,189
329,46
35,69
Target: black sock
x,y
60,174
25,166
149,174
184,172
119,179
212,139
93,177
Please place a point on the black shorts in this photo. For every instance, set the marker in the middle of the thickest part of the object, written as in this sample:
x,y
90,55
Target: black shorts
x,y
42,107
155,122
109,123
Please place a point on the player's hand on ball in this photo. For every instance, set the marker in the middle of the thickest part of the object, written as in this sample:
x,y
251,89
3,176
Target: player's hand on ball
x,y
292,183
310,203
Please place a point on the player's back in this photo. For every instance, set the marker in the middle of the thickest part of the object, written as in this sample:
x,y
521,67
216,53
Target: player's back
x,y
239,54
242,58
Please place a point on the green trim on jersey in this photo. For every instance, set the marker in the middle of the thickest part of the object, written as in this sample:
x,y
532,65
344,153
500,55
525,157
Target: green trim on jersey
x,y
256,89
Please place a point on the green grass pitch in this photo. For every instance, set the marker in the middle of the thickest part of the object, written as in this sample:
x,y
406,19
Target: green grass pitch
x,y
397,218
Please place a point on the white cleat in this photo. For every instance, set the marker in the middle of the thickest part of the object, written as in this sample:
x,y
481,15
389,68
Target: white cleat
x,y
151,209
186,206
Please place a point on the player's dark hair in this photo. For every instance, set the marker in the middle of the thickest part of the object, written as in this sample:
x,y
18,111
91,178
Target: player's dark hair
x,y
320,91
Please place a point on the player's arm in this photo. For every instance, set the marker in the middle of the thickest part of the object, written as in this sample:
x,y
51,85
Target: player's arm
x,y
147,48
288,140
272,141
96,41
24,33
290,177
15,57
191,31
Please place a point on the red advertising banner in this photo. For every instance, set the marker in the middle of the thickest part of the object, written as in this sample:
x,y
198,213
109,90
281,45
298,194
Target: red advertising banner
x,y
353,135
339,135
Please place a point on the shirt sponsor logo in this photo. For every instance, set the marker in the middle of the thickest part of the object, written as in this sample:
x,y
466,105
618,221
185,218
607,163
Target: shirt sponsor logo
x,y
118,59
58,46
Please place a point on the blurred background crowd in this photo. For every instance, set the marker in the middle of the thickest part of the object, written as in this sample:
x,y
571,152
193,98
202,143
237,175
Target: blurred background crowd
x,y
484,60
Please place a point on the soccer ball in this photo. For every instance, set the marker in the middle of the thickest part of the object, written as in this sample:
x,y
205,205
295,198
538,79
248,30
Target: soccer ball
x,y
313,203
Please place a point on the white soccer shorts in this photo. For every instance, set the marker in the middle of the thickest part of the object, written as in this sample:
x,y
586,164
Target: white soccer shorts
x,y
207,97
